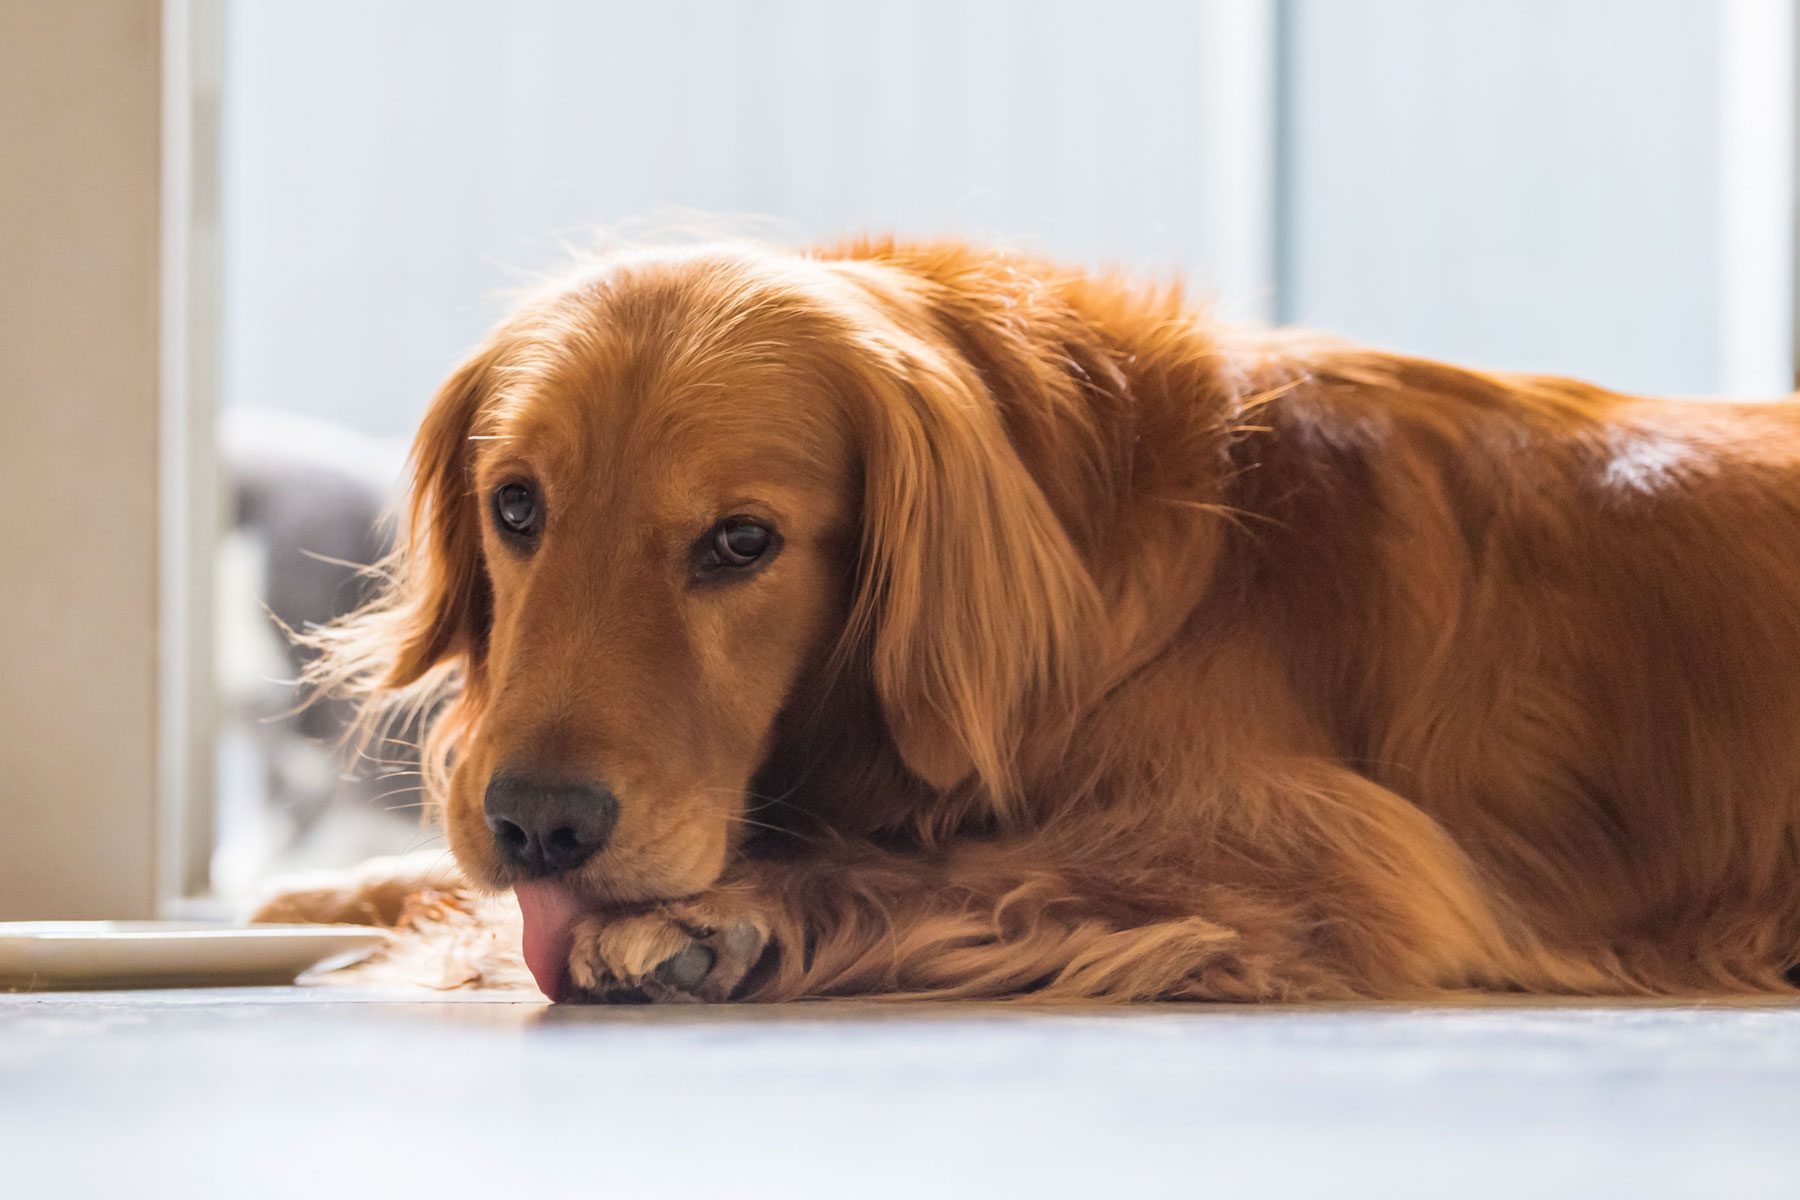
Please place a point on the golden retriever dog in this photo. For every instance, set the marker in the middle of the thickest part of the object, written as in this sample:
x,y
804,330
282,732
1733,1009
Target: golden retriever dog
x,y
922,619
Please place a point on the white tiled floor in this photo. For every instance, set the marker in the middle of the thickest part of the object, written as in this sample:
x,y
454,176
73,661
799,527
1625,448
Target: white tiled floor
x,y
323,1092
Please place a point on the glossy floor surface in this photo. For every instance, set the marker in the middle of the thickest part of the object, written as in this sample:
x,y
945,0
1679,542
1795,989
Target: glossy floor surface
x,y
304,1092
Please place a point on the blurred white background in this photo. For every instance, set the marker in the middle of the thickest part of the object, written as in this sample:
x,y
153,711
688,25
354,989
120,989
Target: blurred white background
x,y
1595,187
389,169
1539,184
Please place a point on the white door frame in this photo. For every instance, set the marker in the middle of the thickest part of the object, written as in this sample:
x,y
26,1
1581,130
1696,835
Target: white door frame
x,y
1240,62
1758,338
190,486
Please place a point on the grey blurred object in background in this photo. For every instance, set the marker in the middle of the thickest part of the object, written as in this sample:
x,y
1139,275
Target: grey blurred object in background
x,y
307,506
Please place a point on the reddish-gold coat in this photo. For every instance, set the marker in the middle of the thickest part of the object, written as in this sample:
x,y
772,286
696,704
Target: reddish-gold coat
x,y
1110,652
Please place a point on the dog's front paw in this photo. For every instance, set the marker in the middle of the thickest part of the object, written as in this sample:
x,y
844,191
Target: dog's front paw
x,y
682,951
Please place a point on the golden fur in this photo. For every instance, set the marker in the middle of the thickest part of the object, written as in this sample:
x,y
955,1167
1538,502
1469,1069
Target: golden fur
x,y
1111,653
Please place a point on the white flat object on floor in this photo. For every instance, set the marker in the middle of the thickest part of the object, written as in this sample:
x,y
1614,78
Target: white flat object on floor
x,y
44,956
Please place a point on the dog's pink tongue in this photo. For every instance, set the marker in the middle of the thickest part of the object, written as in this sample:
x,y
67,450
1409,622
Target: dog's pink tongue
x,y
550,910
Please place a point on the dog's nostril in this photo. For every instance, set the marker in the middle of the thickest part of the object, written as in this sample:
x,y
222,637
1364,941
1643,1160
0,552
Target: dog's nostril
x,y
565,849
545,827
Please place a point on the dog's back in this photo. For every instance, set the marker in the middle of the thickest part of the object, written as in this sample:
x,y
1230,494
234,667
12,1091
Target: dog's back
x,y
1564,622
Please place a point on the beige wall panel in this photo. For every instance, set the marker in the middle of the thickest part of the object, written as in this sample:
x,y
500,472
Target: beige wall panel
x,y
79,226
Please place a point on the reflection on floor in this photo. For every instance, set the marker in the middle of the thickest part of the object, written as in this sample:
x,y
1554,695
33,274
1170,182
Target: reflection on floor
x,y
262,1092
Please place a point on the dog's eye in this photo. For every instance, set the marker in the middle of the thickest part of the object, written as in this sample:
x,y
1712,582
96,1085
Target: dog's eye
x,y
517,509
736,543
740,541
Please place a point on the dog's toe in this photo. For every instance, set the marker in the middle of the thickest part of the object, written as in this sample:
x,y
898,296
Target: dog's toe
x,y
682,951
687,969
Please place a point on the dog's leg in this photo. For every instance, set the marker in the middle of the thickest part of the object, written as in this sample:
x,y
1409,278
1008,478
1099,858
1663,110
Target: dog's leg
x,y
375,892
1306,881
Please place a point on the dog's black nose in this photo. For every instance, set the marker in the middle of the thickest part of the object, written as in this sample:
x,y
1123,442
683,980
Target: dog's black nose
x,y
546,827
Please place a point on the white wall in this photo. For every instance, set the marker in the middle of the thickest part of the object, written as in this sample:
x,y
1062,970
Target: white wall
x,y
389,166
1554,185
1538,184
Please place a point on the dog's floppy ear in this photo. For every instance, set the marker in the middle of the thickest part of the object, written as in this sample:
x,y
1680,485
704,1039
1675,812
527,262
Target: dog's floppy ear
x,y
444,601
971,595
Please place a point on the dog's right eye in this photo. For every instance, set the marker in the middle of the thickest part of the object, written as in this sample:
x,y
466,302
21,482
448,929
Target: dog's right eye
x,y
517,510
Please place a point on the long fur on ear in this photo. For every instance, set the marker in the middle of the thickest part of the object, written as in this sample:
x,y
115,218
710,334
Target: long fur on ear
x,y
451,606
972,595
424,635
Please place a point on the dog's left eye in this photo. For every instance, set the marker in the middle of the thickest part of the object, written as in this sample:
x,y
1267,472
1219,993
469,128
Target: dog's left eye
x,y
517,508
735,544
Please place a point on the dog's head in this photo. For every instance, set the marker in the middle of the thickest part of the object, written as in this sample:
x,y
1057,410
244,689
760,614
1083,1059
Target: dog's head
x,y
665,498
